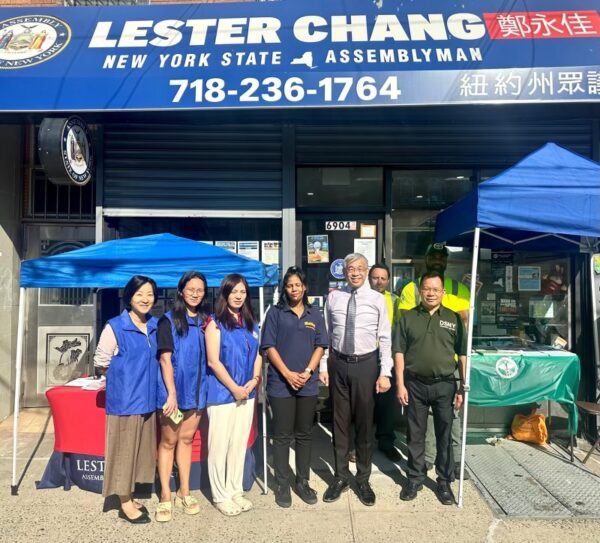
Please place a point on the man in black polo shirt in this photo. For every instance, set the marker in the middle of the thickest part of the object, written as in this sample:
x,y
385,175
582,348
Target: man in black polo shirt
x,y
425,341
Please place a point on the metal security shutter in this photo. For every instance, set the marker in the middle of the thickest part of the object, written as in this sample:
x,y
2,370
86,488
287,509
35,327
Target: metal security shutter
x,y
443,144
179,166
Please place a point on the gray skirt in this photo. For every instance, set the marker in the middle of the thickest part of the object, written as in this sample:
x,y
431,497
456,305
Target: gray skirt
x,y
130,453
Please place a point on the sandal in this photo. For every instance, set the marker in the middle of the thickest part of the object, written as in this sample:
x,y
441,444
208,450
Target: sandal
x,y
164,512
242,503
189,504
228,508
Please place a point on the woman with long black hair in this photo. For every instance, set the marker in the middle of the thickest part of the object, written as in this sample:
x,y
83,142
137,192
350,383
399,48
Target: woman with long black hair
x,y
294,338
126,352
180,388
234,365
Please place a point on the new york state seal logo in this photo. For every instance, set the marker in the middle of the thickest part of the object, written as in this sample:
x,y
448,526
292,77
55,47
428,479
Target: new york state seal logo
x,y
31,39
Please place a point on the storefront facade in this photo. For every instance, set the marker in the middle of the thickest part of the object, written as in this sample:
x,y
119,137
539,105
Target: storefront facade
x,y
304,165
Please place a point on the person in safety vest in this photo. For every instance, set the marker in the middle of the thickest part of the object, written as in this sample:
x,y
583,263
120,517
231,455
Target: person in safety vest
x,y
456,298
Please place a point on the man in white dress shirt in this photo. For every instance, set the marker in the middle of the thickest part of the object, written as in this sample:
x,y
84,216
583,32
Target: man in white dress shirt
x,y
360,361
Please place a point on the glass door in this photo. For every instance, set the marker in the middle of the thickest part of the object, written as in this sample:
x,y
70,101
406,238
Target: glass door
x,y
326,240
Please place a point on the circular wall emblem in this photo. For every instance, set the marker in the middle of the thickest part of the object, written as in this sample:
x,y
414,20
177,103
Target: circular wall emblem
x,y
337,268
31,39
65,150
506,367
77,150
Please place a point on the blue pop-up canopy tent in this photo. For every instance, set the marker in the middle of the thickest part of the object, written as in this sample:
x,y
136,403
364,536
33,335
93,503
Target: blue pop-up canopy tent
x,y
164,257
550,200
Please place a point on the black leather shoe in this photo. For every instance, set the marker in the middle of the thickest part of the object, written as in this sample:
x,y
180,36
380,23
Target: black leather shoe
x,y
305,493
392,454
334,490
444,494
365,494
283,496
142,519
409,492
142,509
466,475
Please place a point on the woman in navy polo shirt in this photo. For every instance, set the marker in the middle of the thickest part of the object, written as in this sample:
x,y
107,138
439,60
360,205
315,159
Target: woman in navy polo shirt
x,y
294,338
233,373
127,347
180,387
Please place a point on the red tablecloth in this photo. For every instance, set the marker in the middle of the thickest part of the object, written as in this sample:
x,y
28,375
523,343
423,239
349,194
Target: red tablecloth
x,y
79,426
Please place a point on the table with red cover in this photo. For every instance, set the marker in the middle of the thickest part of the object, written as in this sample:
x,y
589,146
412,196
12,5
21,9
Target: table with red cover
x,y
79,428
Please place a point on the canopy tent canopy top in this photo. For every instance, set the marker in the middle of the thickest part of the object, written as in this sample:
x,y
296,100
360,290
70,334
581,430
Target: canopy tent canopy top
x,y
550,200
164,257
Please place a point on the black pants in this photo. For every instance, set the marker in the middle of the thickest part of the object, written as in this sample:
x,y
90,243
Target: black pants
x,y
292,419
421,397
385,417
351,386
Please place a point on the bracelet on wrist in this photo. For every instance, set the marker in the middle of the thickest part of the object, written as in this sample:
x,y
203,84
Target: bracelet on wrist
x,y
258,379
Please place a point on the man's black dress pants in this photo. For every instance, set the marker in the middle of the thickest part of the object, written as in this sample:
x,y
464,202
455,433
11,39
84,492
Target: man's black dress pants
x,y
351,385
439,396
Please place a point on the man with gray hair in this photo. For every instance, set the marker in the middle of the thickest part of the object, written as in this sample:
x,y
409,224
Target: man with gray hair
x,y
360,361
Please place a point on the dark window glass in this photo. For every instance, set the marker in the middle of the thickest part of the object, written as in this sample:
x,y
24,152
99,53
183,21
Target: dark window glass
x,y
429,189
340,187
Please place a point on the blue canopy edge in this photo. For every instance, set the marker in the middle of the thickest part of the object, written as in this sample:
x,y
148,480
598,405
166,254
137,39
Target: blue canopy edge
x,y
547,201
163,257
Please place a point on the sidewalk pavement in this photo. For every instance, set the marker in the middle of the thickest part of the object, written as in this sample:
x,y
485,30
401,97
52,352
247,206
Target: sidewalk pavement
x,y
77,516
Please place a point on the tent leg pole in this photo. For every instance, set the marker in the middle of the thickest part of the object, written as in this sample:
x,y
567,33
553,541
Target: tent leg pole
x,y
264,429
467,376
263,390
14,490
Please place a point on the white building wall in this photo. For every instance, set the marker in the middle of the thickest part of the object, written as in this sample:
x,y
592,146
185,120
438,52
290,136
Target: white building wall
x,y
11,181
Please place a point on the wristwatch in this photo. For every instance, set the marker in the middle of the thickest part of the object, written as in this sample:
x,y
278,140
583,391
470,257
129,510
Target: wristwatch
x,y
309,370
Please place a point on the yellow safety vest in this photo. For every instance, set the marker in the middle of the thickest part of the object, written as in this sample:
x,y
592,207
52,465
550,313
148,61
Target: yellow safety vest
x,y
392,305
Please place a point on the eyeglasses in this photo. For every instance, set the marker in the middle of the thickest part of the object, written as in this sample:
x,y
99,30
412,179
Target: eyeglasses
x,y
432,290
197,292
352,269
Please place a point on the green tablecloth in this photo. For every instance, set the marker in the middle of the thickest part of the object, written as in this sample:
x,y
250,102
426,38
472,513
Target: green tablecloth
x,y
500,378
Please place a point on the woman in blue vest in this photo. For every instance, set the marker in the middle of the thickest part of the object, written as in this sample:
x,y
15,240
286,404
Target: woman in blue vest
x,y
127,352
233,373
180,387
294,338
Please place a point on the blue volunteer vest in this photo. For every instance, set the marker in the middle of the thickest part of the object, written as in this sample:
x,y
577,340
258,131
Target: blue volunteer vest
x,y
189,367
238,353
131,376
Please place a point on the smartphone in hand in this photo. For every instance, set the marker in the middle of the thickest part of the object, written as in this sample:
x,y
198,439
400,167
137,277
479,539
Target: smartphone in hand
x,y
176,416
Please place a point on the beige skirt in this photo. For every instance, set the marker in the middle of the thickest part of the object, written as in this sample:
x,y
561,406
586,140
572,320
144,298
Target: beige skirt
x,y
130,453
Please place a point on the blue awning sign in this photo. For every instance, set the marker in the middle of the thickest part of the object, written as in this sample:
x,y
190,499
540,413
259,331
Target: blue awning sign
x,y
299,54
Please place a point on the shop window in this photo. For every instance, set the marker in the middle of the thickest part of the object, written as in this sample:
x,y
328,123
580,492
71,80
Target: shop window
x,y
429,189
524,296
417,198
340,188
